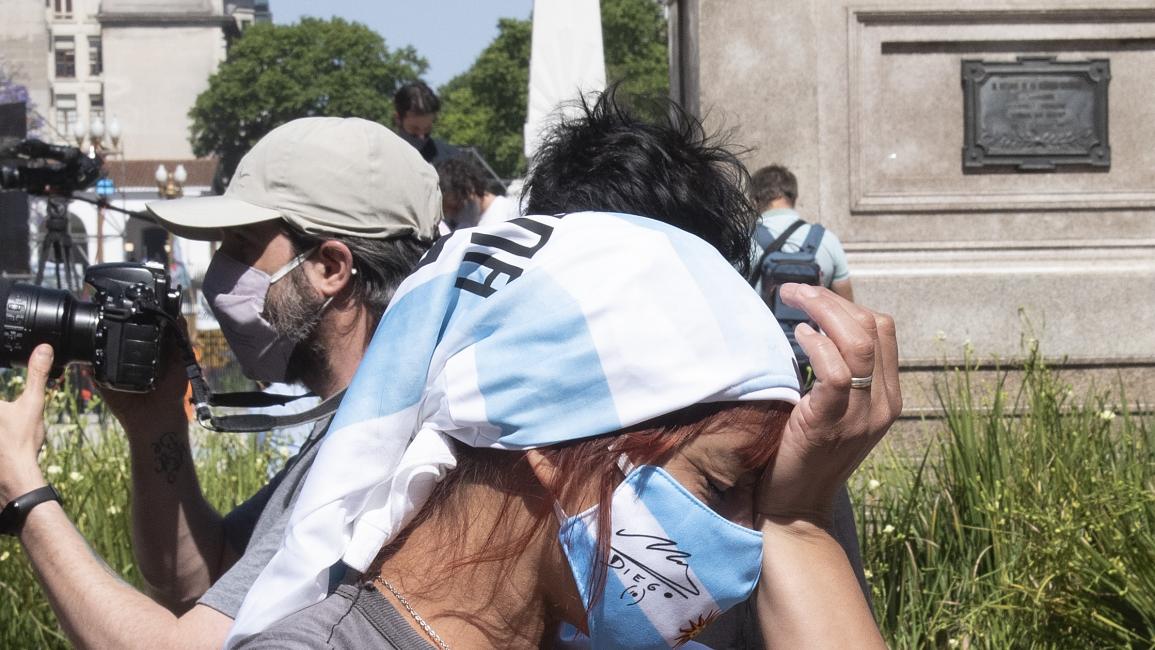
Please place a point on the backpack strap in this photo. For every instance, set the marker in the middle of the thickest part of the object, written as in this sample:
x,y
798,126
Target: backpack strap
x,y
763,237
762,234
813,238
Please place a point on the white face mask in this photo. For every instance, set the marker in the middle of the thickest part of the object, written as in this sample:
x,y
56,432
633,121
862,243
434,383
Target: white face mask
x,y
236,293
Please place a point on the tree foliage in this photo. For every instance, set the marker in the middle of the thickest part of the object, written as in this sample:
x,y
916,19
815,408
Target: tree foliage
x,y
634,35
277,73
485,106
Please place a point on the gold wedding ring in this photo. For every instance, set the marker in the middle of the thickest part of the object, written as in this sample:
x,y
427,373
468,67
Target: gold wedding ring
x,y
861,382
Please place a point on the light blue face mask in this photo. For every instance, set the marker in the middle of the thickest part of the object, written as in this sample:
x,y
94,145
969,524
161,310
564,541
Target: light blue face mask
x,y
674,565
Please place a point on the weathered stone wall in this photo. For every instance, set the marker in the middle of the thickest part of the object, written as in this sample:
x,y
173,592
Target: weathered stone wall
x,y
864,101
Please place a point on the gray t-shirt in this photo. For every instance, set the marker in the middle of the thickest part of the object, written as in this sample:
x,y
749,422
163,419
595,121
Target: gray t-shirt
x,y
354,616
255,528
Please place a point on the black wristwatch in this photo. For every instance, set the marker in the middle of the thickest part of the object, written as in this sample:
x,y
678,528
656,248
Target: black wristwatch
x,y
13,516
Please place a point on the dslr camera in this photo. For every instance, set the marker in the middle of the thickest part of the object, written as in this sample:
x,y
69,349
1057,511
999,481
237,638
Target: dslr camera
x,y
120,332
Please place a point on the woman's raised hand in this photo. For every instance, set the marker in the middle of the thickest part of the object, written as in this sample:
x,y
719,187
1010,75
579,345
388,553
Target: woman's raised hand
x,y
855,399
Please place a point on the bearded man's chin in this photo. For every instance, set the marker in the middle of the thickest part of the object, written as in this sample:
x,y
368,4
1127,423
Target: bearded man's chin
x,y
305,362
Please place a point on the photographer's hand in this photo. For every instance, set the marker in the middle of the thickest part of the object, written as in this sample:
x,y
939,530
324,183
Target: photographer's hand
x,y
96,609
22,430
140,413
178,537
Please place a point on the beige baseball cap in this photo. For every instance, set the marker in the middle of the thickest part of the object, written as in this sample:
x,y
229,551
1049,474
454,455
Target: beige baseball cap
x,y
324,175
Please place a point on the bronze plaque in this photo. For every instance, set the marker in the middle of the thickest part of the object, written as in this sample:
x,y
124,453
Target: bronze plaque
x,y
1035,114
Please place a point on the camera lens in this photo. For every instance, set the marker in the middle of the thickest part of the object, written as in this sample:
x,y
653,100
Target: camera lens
x,y
34,315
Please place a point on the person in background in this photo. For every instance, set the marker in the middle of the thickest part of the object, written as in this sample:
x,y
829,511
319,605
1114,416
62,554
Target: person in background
x,y
774,190
466,197
415,109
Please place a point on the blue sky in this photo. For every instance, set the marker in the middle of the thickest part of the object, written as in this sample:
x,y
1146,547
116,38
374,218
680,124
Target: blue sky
x,y
448,33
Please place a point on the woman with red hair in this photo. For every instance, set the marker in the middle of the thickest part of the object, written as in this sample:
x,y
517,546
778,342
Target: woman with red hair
x,y
594,425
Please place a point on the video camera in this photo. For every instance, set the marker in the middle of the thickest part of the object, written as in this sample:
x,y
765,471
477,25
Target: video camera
x,y
39,168
120,332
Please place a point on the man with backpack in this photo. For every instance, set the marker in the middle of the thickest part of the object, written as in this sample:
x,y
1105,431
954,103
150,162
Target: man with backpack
x,y
788,249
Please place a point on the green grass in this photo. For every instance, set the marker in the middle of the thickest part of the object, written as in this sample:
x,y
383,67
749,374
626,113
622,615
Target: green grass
x,y
1029,522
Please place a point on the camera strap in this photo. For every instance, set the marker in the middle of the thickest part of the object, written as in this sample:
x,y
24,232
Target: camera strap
x,y
203,399
255,422
253,399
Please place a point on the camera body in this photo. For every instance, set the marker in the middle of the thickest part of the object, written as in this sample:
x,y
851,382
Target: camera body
x,y
120,332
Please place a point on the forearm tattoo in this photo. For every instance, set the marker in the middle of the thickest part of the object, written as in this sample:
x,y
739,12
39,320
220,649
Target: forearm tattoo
x,y
169,456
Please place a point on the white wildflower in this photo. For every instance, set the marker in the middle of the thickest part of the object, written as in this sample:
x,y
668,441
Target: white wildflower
x,y
113,510
4,556
75,477
873,484
54,470
888,529
1107,415
952,643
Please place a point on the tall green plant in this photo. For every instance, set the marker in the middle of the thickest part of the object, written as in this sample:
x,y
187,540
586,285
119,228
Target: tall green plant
x,y
1030,522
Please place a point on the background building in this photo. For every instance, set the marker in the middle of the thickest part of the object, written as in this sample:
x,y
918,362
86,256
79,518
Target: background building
x,y
119,77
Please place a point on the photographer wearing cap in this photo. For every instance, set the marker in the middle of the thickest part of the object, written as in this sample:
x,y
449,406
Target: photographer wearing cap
x,y
322,221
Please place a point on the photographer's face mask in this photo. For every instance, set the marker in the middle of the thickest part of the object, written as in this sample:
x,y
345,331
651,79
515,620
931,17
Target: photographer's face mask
x,y
674,566
236,293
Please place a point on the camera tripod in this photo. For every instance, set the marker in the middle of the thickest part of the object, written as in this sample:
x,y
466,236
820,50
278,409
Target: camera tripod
x,y
58,238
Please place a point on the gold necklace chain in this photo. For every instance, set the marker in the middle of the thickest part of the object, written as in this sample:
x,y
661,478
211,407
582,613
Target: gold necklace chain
x,y
413,612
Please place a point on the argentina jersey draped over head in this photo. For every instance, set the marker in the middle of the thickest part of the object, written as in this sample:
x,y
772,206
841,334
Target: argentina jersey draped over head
x,y
533,332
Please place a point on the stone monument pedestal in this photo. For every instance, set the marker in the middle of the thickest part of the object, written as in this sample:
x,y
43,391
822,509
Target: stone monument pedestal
x,y
865,103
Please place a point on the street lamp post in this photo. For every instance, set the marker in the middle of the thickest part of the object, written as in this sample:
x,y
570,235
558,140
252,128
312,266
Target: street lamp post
x,y
94,133
170,185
